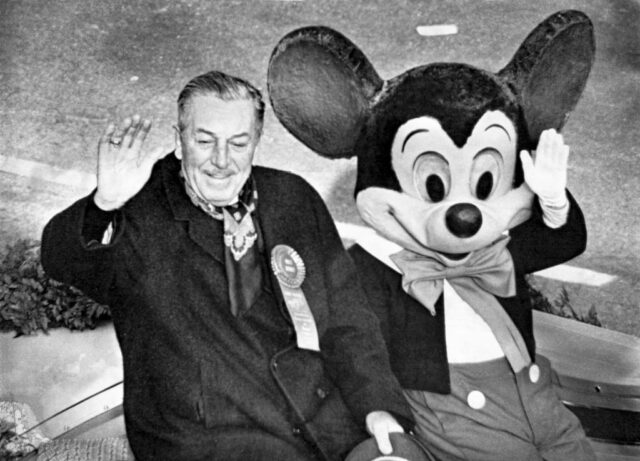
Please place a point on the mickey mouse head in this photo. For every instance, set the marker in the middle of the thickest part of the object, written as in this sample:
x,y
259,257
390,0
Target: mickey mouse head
x,y
437,145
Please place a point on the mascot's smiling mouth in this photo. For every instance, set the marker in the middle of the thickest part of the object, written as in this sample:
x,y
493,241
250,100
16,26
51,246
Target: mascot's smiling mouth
x,y
455,256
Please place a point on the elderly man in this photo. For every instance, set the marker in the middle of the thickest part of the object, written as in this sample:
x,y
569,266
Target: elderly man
x,y
243,329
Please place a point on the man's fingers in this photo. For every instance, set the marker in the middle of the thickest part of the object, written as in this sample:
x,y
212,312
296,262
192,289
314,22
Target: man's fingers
x,y
129,138
126,123
141,135
106,136
109,130
120,131
136,125
130,131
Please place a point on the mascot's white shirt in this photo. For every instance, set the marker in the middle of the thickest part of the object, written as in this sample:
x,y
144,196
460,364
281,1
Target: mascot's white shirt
x,y
469,338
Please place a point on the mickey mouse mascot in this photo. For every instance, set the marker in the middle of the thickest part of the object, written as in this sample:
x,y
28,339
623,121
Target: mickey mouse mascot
x,y
463,208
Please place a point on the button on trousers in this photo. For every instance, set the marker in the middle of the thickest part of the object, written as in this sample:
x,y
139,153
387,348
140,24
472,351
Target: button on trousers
x,y
495,414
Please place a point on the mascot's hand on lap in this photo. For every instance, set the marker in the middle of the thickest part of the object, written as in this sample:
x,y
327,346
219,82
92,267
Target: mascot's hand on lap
x,y
380,424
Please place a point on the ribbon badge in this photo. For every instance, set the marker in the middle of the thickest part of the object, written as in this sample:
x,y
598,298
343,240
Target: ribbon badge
x,y
288,266
289,269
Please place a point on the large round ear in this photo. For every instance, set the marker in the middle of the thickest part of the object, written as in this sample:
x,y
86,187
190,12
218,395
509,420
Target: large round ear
x,y
550,69
320,85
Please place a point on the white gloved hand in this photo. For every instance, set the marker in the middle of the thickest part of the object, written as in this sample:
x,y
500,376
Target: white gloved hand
x,y
380,424
546,176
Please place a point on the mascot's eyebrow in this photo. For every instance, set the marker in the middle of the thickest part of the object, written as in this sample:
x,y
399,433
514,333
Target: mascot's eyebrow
x,y
495,125
421,130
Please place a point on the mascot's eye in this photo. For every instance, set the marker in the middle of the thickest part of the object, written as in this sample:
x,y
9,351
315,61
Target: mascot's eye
x,y
485,184
431,176
486,173
435,188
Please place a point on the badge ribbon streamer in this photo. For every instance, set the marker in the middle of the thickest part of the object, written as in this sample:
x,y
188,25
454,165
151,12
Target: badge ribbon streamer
x,y
289,269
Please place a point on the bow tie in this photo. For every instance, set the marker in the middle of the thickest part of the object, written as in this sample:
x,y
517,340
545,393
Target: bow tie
x,y
478,278
490,269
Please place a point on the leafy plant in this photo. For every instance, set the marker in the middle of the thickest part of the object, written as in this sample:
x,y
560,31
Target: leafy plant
x,y
31,301
561,306
16,442
6,435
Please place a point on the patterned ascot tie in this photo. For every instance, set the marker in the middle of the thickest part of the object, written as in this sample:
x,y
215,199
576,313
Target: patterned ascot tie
x,y
241,255
487,272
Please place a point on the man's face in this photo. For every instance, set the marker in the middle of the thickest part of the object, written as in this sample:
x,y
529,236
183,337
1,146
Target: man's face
x,y
217,146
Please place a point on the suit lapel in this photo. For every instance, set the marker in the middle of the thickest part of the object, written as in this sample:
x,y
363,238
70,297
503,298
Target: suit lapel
x,y
272,225
281,225
207,233
270,213
203,229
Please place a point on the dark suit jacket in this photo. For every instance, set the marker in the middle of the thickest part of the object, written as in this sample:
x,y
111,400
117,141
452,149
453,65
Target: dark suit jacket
x,y
416,339
163,276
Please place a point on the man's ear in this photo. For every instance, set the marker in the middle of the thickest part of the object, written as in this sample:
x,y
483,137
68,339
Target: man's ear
x,y
178,142
549,71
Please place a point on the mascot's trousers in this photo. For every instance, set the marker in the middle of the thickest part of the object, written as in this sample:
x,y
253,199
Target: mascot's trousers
x,y
494,414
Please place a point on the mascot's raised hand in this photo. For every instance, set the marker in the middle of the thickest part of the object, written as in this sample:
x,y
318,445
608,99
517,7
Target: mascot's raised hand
x,y
546,175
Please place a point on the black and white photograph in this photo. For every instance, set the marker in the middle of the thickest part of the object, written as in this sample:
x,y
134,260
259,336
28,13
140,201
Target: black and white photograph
x,y
319,230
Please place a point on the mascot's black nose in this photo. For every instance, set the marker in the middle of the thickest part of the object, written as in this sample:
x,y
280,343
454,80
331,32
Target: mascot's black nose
x,y
463,220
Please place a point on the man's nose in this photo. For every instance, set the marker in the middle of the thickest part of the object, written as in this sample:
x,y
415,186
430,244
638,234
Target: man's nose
x,y
220,156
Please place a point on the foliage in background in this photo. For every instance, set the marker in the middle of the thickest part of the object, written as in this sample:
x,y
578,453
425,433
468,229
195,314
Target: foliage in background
x,y
31,301
17,441
6,435
561,306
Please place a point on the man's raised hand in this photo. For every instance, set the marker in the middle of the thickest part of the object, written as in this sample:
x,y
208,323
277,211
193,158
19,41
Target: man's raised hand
x,y
123,166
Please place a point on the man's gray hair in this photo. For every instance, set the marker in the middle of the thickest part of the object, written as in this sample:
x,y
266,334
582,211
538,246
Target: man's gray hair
x,y
224,86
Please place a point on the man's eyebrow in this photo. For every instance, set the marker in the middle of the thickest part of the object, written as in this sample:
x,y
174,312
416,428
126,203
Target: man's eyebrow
x,y
212,134
421,130
496,125
205,131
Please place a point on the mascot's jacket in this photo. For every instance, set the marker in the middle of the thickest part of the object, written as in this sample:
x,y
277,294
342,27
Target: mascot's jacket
x,y
416,339
190,374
